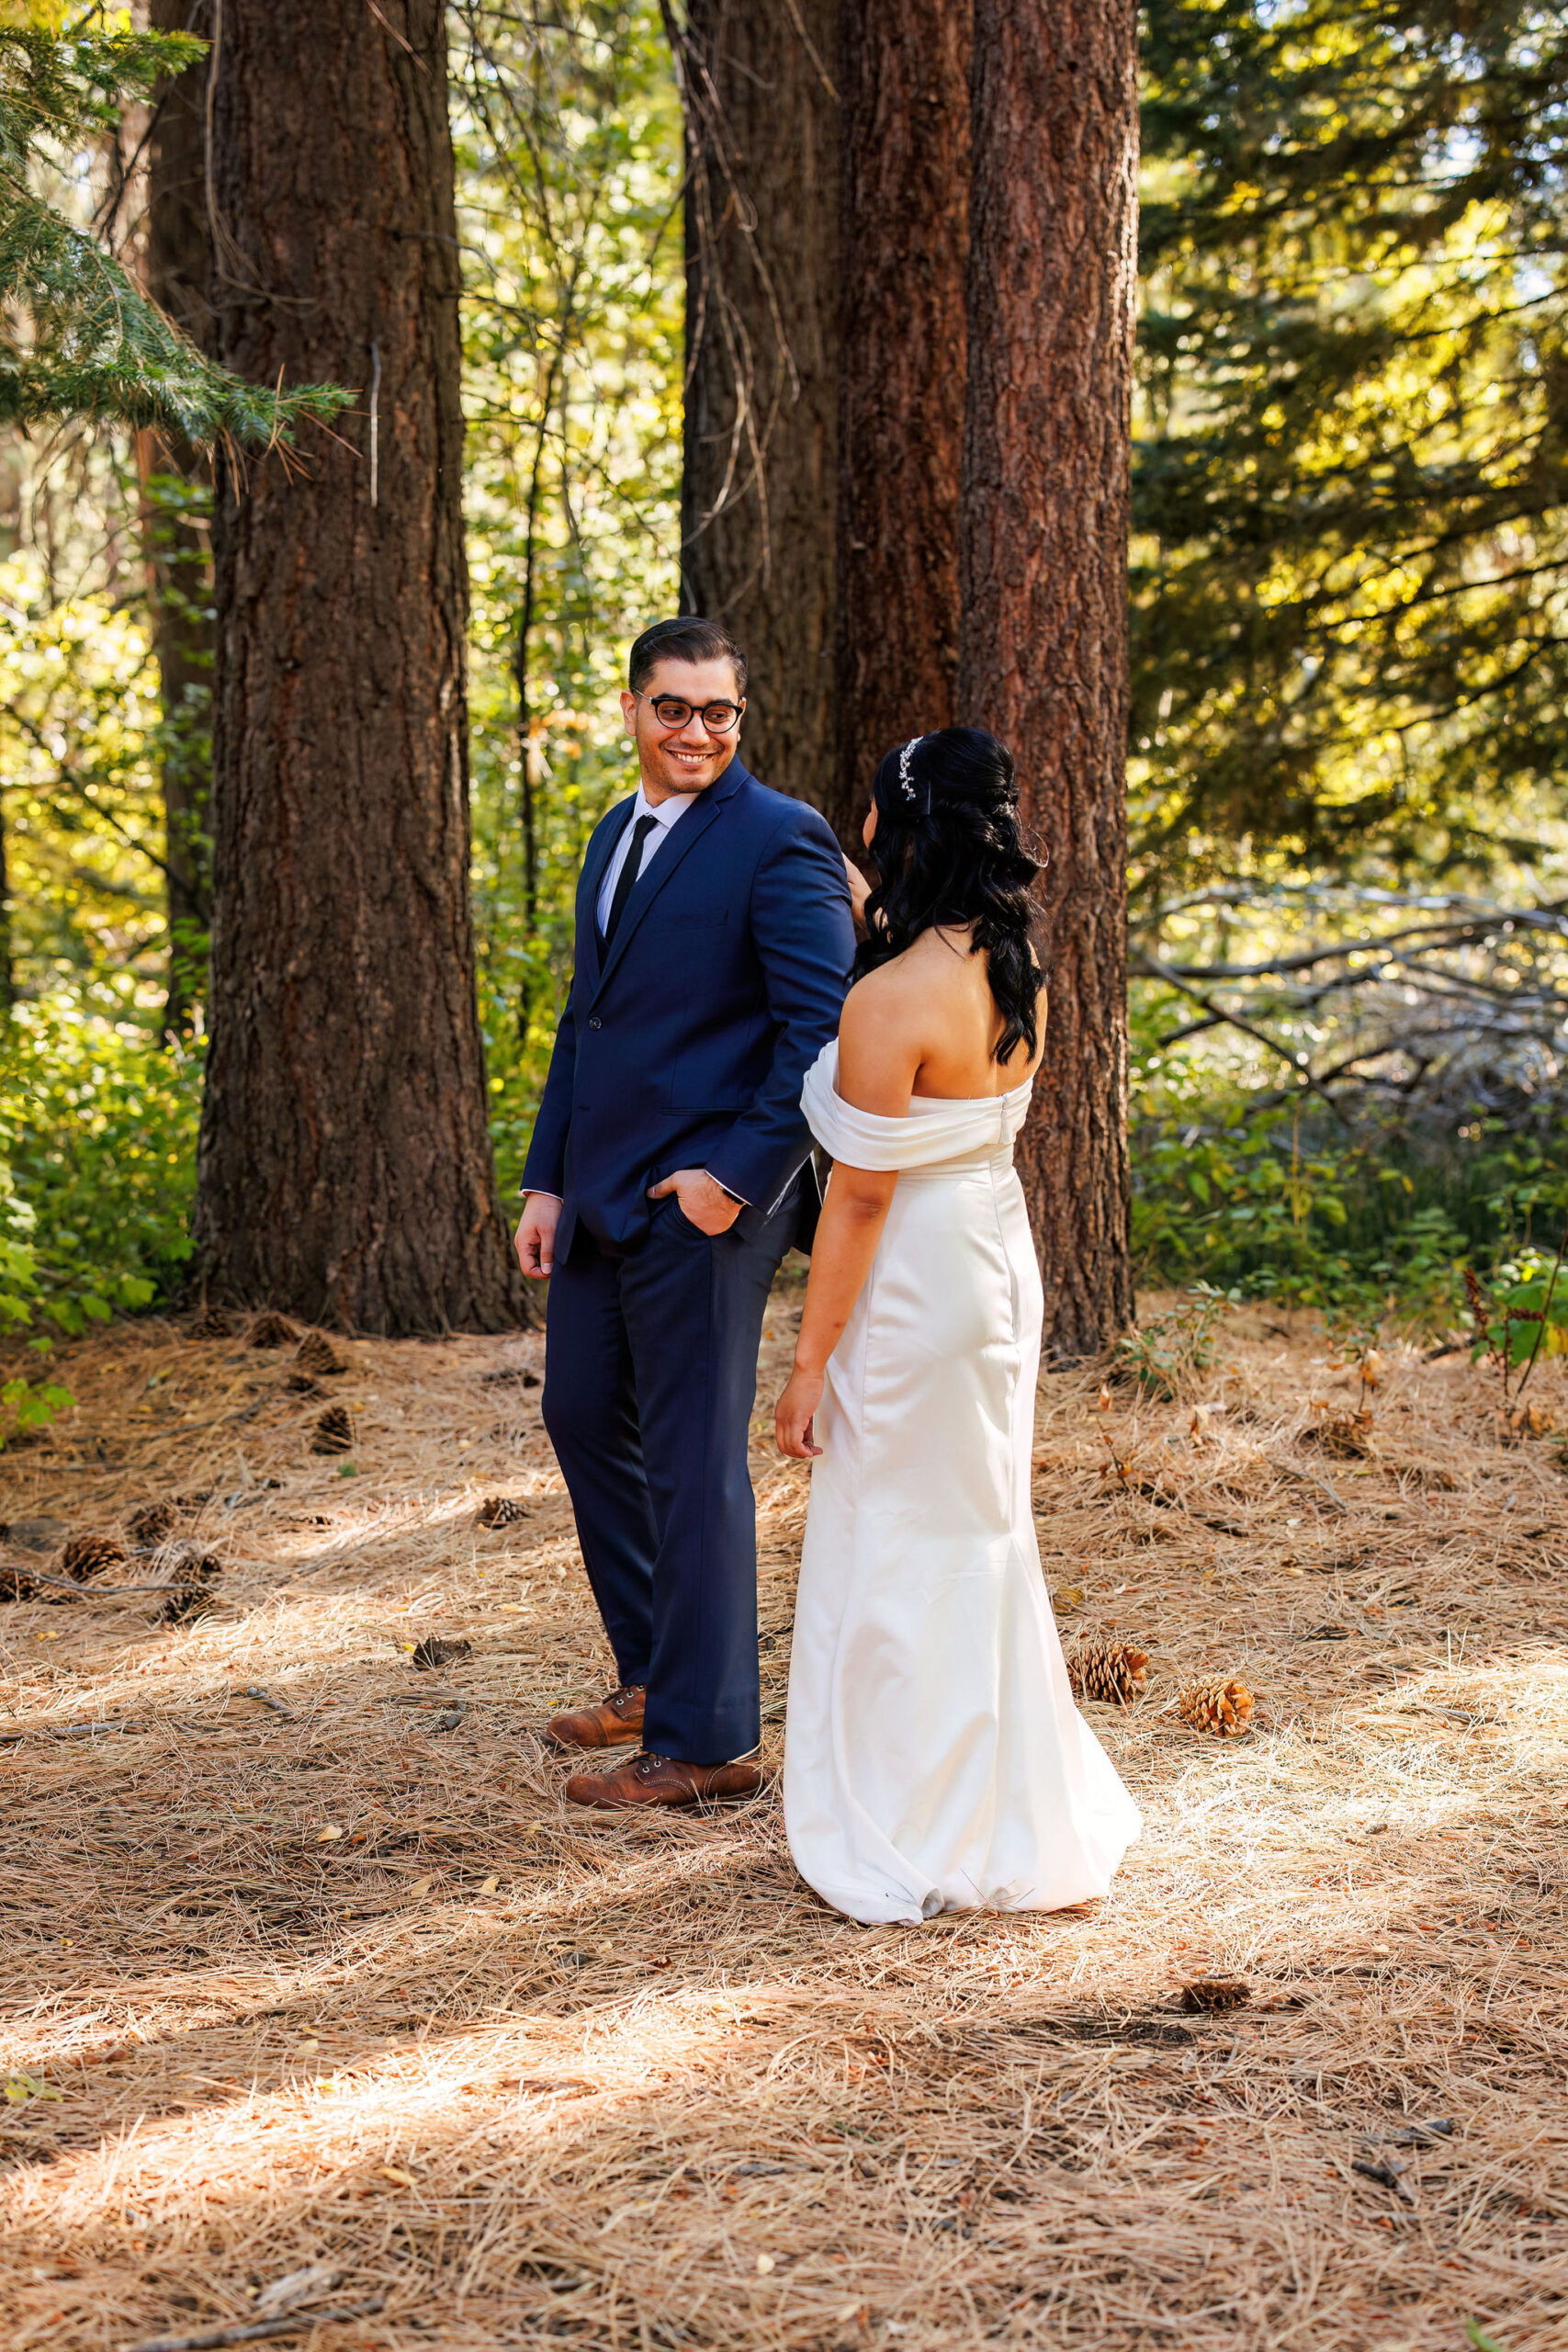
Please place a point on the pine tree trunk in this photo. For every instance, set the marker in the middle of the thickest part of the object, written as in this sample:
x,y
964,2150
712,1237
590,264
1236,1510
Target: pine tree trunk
x,y
1045,580
905,228
177,266
345,1170
760,487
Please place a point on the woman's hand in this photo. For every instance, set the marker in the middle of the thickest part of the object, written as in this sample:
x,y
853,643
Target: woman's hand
x,y
793,1413
859,891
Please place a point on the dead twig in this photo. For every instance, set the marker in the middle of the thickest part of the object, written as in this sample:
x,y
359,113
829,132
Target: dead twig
x,y
252,2331
266,1699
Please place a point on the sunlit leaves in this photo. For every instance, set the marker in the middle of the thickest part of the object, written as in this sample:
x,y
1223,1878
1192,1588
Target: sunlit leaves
x,y
1351,574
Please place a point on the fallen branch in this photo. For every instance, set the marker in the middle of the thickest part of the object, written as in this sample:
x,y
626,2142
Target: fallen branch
x,y
250,2331
95,1592
1293,1470
69,1731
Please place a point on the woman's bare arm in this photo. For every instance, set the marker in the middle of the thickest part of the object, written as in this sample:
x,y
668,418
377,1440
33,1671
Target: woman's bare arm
x,y
879,1053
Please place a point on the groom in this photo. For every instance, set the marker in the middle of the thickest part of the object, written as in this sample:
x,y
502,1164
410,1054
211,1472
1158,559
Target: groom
x,y
714,941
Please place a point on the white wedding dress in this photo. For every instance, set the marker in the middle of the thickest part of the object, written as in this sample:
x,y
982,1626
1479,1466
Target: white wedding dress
x,y
934,1759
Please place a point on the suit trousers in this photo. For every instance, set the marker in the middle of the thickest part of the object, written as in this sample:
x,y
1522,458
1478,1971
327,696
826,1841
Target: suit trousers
x,y
651,1375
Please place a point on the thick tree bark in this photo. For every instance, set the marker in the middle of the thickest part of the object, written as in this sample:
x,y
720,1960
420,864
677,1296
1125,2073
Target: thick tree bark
x,y
758,494
1044,580
177,268
346,1169
905,231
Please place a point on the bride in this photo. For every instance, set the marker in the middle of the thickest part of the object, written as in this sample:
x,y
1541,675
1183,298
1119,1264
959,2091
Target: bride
x,y
934,1759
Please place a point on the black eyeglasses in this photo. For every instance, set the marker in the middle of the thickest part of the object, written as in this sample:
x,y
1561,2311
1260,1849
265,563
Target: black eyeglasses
x,y
719,717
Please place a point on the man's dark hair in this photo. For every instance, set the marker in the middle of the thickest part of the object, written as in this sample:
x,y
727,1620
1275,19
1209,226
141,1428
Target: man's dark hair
x,y
691,638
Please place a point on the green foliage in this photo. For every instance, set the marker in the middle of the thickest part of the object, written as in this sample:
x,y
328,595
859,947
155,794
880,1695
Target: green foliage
x,y
24,1404
1350,572
1523,1295
570,166
1294,1203
1165,1356
94,345
79,735
101,1124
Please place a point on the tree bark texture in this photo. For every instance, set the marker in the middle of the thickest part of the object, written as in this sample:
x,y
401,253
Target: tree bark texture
x,y
177,268
1044,582
345,1170
904,239
759,492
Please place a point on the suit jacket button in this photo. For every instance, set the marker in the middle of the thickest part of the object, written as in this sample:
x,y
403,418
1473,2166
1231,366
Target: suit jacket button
x,y
595,1024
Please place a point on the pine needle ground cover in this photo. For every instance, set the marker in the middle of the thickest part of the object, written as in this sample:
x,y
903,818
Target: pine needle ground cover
x,y
307,1967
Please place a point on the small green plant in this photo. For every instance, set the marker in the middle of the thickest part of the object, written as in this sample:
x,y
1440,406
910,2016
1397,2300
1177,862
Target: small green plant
x,y
1520,1316
1166,1355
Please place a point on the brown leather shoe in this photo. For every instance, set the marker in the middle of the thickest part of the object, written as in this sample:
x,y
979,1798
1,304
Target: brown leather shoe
x,y
615,1722
662,1779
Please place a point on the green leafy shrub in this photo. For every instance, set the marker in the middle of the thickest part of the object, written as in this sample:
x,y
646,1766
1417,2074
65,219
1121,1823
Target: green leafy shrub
x,y
1287,1201
99,1122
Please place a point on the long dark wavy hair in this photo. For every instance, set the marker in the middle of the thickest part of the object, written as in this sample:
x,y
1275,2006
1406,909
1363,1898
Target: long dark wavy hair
x,y
947,851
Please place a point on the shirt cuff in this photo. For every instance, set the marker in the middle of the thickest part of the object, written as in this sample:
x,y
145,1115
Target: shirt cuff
x,y
729,1190
537,1193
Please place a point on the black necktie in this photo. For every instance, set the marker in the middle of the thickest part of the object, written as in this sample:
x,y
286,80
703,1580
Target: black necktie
x,y
625,881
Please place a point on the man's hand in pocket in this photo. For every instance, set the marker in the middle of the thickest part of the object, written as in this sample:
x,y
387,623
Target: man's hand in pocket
x,y
702,1202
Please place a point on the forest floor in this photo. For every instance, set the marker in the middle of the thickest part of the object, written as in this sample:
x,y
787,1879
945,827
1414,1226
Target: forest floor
x,y
347,1985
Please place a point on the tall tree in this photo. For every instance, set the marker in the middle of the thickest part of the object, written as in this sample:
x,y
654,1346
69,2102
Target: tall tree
x,y
904,234
345,1166
826,239
759,489
1044,556
175,485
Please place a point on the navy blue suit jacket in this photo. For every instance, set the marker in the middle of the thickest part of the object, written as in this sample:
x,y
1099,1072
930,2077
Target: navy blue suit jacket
x,y
688,1045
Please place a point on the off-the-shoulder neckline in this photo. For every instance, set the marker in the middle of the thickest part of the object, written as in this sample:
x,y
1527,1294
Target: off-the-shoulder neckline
x,y
952,1101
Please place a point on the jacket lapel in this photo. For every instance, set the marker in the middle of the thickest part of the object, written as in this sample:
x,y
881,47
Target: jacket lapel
x,y
682,840
601,850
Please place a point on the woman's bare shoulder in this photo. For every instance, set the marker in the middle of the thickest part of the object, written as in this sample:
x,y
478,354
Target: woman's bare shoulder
x,y
880,1042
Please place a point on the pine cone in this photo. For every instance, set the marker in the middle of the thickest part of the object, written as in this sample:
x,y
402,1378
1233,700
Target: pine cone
x,y
85,1556
514,1376
192,1575
16,1584
432,1651
299,1383
1215,1992
502,1511
1221,1707
316,1354
334,1432
152,1523
216,1323
272,1332
1110,1671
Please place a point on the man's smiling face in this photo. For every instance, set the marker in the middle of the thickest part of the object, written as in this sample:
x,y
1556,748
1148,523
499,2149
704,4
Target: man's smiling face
x,y
687,758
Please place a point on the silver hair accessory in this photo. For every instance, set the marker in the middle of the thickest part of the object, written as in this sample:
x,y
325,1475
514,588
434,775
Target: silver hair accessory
x,y
905,756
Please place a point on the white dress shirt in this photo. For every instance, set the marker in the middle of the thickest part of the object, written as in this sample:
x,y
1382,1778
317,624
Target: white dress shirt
x,y
668,813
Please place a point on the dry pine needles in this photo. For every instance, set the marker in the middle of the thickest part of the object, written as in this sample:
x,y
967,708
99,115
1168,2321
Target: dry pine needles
x,y
331,1978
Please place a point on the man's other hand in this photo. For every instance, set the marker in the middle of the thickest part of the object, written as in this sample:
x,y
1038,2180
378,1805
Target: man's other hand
x,y
536,1235
702,1202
